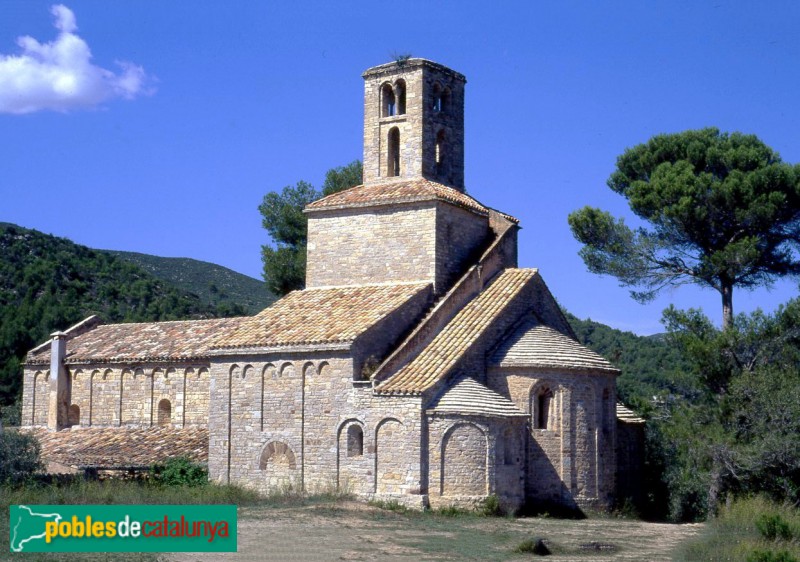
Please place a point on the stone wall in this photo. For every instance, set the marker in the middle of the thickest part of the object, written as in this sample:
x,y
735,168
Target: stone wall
x,y
307,406
630,461
114,395
471,457
571,452
427,241
461,238
35,395
384,244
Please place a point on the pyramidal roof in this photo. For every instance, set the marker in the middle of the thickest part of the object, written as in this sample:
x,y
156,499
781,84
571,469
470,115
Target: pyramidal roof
x,y
533,344
397,191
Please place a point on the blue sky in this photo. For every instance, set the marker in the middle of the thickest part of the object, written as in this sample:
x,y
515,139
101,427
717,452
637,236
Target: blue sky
x,y
190,112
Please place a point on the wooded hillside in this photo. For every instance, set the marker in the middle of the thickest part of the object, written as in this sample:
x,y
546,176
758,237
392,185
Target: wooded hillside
x,y
49,283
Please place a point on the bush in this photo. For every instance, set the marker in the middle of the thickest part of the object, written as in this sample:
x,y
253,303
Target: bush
x,y
755,529
772,526
770,556
533,546
180,471
19,456
11,414
491,507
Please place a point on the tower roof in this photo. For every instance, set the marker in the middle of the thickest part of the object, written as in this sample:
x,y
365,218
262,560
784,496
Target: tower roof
x,y
397,191
409,64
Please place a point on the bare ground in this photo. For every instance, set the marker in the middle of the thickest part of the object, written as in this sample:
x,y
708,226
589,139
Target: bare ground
x,y
353,531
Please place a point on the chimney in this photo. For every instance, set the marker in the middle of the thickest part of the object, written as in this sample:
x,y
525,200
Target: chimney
x,y
59,383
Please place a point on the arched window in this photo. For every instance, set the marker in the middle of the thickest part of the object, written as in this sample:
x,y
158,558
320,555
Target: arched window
x,y
436,105
440,152
393,153
544,403
355,441
164,412
400,96
74,415
388,101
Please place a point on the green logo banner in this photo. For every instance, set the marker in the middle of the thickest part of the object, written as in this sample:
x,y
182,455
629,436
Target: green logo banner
x,y
122,528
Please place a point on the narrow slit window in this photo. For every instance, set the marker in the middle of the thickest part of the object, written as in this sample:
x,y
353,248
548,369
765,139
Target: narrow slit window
x,y
544,402
393,153
440,152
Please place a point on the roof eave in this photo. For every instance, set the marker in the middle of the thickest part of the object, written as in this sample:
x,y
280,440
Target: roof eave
x,y
309,347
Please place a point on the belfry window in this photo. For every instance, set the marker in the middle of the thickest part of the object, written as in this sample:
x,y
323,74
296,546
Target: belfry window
x,y
393,153
437,98
389,101
400,96
441,99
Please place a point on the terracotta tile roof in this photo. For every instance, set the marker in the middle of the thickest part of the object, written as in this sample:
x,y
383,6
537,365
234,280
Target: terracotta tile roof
x,y
536,345
153,341
455,339
626,415
121,447
396,191
469,397
320,315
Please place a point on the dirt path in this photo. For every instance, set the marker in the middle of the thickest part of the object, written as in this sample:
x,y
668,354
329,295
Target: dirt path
x,y
355,532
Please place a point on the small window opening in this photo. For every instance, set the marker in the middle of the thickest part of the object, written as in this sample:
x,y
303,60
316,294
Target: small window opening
x,y
543,404
440,152
164,412
388,101
400,96
393,153
355,441
74,415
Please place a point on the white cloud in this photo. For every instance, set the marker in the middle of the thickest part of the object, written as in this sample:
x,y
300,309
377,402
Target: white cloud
x,y
59,75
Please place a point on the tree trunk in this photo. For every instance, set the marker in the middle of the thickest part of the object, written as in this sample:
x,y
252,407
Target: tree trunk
x,y
727,305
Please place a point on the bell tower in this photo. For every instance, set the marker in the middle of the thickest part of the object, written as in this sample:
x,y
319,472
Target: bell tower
x,y
414,123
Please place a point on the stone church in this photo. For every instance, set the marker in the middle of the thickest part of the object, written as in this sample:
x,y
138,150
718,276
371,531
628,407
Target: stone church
x,y
420,364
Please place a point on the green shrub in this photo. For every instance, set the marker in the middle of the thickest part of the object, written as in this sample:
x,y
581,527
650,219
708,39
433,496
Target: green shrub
x,y
391,505
772,526
451,511
491,507
771,556
754,529
19,456
533,546
11,414
180,472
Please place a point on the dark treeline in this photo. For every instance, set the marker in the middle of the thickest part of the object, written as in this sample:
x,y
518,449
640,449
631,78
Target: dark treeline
x,y
49,283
